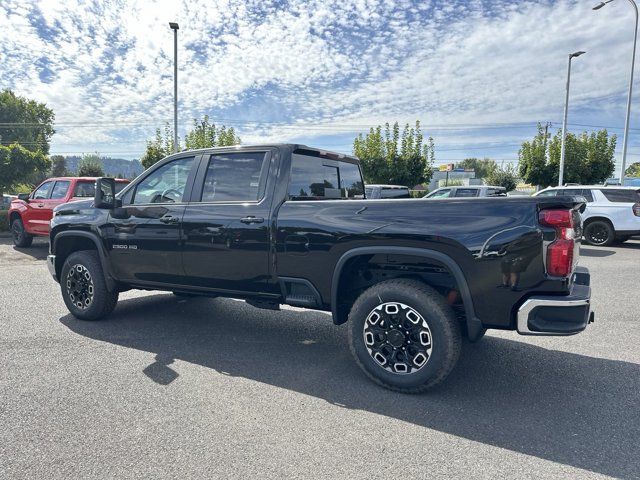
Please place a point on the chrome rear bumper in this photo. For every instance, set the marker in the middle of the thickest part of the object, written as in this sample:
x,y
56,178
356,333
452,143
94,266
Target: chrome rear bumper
x,y
554,315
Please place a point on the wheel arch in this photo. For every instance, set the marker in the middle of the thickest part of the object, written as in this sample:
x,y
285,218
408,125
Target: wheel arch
x,y
598,218
68,242
474,326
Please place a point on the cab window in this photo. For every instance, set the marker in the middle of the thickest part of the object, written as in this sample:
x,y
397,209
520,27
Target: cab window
x,y
166,184
43,191
60,189
235,177
314,177
84,189
547,193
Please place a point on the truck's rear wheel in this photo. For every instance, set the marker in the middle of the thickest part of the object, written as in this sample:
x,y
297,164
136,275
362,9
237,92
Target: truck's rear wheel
x,y
404,336
20,236
84,289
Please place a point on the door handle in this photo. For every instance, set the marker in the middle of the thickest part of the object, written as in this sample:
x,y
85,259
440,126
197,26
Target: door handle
x,y
169,219
251,219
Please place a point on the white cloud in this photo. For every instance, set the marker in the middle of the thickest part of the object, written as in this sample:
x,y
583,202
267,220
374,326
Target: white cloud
x,y
315,66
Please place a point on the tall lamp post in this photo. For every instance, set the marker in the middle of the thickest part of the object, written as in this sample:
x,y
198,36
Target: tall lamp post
x,y
564,122
625,142
174,26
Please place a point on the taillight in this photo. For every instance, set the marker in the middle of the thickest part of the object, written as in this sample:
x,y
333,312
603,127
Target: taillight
x,y
636,209
560,251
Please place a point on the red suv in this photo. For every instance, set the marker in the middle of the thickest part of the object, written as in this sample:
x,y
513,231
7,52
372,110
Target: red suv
x,y
30,214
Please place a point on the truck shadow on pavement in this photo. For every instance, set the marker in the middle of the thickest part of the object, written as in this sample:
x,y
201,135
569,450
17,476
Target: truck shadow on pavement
x,y
37,251
562,407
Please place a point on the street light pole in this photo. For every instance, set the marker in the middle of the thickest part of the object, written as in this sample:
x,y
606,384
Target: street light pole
x,y
625,142
174,26
564,121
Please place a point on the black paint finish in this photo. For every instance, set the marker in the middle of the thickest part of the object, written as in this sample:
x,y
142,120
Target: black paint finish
x,y
244,249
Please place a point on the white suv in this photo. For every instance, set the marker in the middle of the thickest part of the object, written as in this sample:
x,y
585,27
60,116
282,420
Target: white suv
x,y
612,213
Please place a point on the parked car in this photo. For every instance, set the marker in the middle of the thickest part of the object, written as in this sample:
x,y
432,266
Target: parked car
x,y
470,191
386,191
286,224
612,213
30,213
6,201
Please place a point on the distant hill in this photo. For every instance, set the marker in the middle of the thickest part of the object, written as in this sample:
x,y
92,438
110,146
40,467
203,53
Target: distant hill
x,y
112,166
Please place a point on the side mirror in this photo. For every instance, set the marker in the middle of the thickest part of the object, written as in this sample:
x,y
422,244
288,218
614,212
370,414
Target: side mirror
x,y
105,196
24,196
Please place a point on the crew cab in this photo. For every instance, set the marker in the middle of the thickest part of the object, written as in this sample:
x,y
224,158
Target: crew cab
x,y
612,213
290,225
30,213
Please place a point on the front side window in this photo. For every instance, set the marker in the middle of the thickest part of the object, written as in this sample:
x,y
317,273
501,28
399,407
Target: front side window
x,y
441,193
42,191
315,178
60,189
235,177
167,184
547,193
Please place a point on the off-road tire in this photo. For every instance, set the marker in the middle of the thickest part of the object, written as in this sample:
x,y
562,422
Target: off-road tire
x,y
431,306
102,301
21,238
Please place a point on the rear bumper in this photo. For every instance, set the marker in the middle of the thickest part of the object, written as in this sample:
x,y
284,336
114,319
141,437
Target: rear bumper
x,y
553,315
51,265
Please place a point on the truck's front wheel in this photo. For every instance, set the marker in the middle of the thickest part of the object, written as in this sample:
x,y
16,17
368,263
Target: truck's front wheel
x,y
404,336
83,286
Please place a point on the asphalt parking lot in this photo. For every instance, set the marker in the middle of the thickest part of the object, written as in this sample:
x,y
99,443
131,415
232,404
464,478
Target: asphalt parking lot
x,y
216,388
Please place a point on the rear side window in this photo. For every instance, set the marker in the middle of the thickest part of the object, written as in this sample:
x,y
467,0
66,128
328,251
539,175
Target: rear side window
x,y
235,177
85,189
395,193
60,189
496,192
619,195
314,178
467,192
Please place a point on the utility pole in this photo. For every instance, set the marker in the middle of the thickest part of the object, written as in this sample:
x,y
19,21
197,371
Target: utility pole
x,y
174,26
564,122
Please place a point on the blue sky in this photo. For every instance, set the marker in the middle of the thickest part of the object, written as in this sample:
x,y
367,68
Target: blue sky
x,y
477,74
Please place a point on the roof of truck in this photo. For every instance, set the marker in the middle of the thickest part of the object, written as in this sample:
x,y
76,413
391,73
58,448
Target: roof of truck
x,y
293,146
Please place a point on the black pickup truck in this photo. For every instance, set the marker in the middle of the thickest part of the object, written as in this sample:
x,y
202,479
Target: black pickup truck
x,y
290,224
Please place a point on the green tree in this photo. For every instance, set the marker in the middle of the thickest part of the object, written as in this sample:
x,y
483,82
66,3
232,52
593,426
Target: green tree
x,y
26,122
90,166
58,166
18,163
393,157
633,170
588,158
482,167
205,134
503,177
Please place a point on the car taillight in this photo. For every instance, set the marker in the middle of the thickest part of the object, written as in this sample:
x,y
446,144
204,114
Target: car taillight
x,y
636,209
560,251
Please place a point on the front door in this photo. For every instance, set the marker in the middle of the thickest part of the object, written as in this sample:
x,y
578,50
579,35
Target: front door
x,y
226,225
144,236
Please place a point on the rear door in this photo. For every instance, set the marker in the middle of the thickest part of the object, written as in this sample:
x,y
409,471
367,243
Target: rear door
x,y
226,223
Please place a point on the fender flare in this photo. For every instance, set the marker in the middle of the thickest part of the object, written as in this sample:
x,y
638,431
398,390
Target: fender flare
x,y
108,278
475,328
